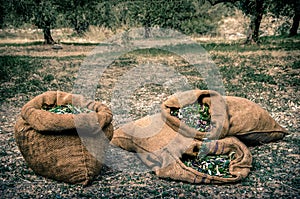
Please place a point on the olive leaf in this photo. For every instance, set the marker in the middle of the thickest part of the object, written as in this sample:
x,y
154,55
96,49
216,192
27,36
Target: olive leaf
x,y
65,109
194,115
216,165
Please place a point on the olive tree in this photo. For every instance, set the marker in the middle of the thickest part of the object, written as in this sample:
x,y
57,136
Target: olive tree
x,y
43,14
174,14
78,13
290,8
40,13
257,8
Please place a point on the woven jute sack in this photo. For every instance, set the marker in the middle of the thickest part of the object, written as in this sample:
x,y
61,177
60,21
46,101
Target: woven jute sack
x,y
230,116
64,147
162,149
251,123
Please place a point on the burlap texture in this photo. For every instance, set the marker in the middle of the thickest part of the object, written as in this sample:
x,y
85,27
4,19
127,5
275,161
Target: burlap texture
x,y
161,148
230,116
251,123
50,142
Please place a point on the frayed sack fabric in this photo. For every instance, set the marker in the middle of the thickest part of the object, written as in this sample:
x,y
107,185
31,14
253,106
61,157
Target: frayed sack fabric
x,y
162,149
230,116
50,142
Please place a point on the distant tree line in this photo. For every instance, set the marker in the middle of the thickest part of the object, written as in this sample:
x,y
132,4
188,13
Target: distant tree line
x,y
187,16
257,8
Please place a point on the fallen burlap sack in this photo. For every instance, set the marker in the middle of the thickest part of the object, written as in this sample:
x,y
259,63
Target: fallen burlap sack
x,y
230,116
217,110
162,141
50,142
161,148
251,123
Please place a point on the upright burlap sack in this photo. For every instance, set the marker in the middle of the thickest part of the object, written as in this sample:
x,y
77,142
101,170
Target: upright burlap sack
x,y
50,142
161,148
230,116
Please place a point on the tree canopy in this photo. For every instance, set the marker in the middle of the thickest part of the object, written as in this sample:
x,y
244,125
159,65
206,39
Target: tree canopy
x,y
188,16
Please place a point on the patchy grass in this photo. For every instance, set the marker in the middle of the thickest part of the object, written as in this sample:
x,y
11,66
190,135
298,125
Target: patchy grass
x,y
17,76
21,75
267,74
269,43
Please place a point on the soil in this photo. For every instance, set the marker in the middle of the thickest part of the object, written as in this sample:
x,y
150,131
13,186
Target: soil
x,y
275,171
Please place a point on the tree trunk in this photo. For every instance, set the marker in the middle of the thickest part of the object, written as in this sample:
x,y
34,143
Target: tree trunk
x,y
80,25
296,19
147,31
253,31
2,15
147,24
47,35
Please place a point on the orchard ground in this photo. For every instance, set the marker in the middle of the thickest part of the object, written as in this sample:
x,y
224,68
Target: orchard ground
x,y
267,74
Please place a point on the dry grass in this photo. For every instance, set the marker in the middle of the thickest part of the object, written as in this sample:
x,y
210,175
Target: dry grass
x,y
66,35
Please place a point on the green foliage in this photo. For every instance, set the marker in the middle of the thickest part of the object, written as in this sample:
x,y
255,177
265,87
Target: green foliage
x,y
279,7
39,13
78,13
44,14
296,65
2,13
187,16
65,109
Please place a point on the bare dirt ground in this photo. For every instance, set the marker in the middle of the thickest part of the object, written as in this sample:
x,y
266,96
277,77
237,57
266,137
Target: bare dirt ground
x,y
266,75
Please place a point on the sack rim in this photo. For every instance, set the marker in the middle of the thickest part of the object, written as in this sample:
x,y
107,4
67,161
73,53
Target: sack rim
x,y
33,113
183,128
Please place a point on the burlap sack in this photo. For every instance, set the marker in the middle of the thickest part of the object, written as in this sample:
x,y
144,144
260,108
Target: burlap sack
x,y
251,123
161,148
218,112
50,142
230,116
